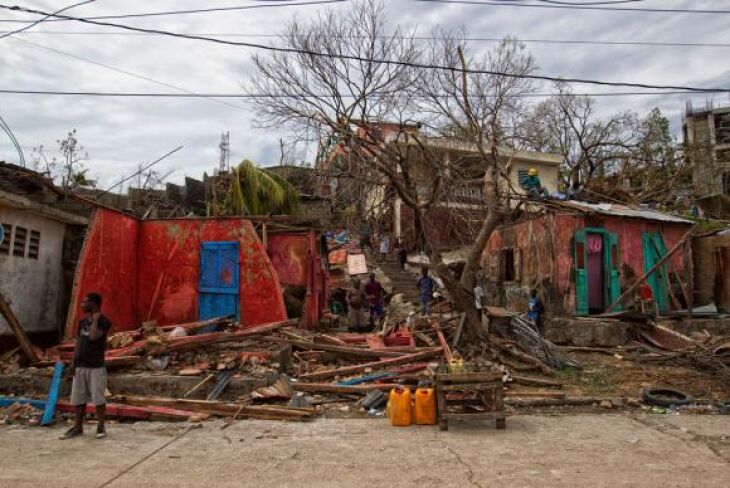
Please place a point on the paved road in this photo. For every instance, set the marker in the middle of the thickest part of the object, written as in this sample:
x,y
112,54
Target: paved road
x,y
577,450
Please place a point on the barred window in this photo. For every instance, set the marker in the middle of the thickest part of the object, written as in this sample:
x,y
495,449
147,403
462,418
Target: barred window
x,y
34,245
21,233
5,244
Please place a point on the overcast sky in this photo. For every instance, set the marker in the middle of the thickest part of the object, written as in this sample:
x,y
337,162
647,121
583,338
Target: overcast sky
x,y
120,133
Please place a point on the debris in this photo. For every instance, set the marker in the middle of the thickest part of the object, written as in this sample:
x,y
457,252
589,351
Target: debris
x,y
282,389
196,387
607,404
224,378
665,397
17,329
20,413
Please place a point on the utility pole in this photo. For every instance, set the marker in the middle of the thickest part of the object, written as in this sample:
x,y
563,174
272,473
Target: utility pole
x,y
225,152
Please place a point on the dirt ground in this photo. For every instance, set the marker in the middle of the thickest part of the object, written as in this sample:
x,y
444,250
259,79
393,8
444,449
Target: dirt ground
x,y
605,375
579,450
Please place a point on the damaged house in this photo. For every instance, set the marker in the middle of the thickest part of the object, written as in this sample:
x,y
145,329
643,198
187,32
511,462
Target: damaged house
x,y
455,220
186,269
38,249
581,257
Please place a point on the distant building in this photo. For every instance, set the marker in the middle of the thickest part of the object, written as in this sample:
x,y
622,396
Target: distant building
x,y
38,248
706,134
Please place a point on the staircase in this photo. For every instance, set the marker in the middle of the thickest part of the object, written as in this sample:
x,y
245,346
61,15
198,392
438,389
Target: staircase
x,y
401,281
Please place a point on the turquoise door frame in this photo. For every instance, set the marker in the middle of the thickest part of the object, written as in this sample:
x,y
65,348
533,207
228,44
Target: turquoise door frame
x,y
611,262
654,251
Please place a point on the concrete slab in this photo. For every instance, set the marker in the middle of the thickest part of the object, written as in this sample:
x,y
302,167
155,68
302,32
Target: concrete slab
x,y
581,450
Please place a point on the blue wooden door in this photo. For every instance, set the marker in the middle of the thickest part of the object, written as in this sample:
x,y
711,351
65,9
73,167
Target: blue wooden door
x,y
218,283
654,251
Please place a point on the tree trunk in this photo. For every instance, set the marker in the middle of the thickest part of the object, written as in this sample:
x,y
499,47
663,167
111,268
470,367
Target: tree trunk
x,y
494,218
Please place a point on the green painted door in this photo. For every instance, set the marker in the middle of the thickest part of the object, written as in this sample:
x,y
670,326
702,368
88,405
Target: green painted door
x,y
580,258
613,269
654,250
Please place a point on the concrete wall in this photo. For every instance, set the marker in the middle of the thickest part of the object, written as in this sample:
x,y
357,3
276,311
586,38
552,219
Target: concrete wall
x,y
33,286
548,173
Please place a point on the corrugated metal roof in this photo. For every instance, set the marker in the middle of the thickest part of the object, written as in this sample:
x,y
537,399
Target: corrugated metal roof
x,y
625,211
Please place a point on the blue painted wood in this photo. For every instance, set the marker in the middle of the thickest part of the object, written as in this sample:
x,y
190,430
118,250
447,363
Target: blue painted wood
x,y
7,401
50,409
218,285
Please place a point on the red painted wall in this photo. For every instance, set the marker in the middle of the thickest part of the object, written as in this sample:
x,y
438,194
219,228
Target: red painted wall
x,y
107,265
547,250
150,272
288,253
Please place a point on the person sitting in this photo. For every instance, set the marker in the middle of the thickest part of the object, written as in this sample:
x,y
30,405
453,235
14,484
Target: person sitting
x,y
533,185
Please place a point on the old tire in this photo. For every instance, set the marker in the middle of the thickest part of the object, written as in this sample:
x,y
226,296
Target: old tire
x,y
665,397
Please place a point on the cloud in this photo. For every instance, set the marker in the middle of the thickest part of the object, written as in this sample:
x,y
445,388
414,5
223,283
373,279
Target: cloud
x,y
121,133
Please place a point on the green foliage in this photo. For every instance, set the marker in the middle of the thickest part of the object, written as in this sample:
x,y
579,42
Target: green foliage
x,y
256,191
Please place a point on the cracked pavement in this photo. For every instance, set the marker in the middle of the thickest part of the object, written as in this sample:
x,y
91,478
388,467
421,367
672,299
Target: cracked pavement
x,y
535,450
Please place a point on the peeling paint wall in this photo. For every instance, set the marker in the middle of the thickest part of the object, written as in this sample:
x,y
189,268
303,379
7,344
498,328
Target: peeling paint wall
x,y
33,286
150,270
546,258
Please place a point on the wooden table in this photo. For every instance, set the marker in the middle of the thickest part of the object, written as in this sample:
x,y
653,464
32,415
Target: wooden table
x,y
470,396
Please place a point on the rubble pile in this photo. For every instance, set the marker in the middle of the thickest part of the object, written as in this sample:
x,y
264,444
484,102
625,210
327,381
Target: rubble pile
x,y
20,413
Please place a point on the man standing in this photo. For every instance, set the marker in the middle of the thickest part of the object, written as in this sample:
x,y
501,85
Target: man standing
x,y
375,293
355,298
536,309
384,247
426,286
89,383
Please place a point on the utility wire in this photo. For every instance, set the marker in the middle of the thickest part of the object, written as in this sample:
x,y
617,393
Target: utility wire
x,y
42,19
578,7
375,60
144,168
130,73
415,38
256,95
187,12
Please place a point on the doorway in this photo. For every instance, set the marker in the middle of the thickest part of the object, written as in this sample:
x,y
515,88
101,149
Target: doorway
x,y
596,261
654,251
218,281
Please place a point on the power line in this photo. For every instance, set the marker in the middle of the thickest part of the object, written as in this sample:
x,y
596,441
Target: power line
x,y
256,95
42,19
578,7
375,60
185,12
128,73
416,38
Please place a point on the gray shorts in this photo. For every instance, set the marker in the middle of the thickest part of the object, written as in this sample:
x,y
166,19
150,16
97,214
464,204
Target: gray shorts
x,y
89,385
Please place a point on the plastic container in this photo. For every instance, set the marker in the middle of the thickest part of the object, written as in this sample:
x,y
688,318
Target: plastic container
x,y
399,407
425,406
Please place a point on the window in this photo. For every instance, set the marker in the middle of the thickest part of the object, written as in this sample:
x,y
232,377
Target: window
x,y
34,245
5,244
19,241
508,265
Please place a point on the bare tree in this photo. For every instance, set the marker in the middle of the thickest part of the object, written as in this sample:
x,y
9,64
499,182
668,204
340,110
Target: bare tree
x,y
345,102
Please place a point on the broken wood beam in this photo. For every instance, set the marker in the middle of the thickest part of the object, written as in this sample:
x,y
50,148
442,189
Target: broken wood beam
x,y
196,341
442,340
646,275
526,380
342,389
220,409
195,326
344,350
25,345
348,370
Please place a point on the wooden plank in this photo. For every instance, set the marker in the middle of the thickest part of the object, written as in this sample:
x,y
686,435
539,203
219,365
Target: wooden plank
x,y
656,266
25,345
50,410
442,340
535,394
348,370
526,380
474,416
343,389
344,350
469,386
459,330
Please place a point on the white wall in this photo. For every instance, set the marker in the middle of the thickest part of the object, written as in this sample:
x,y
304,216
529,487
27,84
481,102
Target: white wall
x,y
33,285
